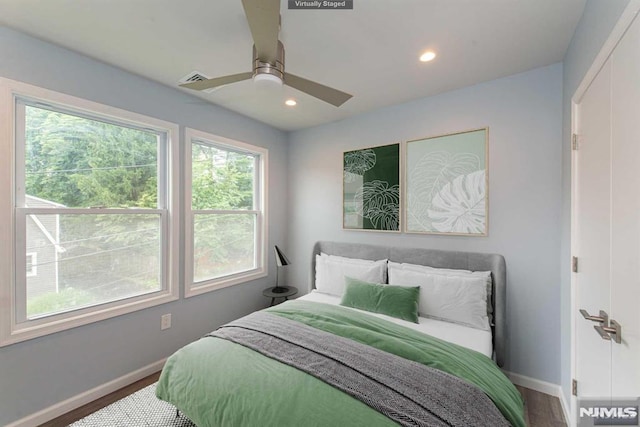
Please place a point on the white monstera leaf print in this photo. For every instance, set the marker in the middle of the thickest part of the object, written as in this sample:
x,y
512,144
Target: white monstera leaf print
x,y
379,202
356,163
460,206
429,176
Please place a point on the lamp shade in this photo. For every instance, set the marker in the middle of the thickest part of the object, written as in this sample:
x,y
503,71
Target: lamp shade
x,y
281,258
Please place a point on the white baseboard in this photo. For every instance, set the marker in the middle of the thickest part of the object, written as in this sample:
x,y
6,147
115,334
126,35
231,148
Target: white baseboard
x,y
534,384
77,401
543,387
566,408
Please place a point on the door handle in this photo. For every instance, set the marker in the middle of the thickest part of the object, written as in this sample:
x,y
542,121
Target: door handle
x,y
603,318
606,332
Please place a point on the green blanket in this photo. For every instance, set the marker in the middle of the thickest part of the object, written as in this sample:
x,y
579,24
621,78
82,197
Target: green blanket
x,y
218,383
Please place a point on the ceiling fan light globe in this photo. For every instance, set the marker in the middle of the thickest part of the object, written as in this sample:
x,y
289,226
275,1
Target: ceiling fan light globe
x,y
266,79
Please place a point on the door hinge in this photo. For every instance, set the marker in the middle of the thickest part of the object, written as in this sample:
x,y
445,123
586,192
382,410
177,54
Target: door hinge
x,y
574,141
574,264
574,387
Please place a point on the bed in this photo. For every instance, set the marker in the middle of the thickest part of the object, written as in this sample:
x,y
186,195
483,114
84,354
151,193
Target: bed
x,y
315,362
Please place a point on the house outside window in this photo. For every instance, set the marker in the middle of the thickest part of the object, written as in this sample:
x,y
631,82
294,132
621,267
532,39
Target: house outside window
x,y
226,212
43,249
32,264
95,231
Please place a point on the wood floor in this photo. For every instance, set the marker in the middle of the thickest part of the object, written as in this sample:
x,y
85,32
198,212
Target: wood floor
x,y
89,408
540,410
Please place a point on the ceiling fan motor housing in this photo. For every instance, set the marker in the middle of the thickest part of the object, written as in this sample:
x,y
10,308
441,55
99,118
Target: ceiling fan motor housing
x,y
277,69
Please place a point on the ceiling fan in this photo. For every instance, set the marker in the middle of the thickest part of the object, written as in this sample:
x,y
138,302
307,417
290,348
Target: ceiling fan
x,y
263,17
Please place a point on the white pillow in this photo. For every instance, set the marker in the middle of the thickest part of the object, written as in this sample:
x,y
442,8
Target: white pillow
x,y
452,272
331,271
455,299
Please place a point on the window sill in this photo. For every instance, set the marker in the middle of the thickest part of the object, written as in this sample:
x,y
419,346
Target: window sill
x,y
52,324
215,284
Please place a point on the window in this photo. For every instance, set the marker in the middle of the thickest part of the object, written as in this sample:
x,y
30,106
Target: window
x,y
226,205
95,212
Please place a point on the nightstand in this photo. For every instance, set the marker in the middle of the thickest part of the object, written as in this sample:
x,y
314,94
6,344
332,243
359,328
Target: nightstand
x,y
288,291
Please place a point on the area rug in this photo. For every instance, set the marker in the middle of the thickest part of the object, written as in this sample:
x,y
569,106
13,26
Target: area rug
x,y
139,409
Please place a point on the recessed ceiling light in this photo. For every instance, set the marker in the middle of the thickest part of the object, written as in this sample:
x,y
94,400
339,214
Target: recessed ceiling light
x,y
290,102
427,56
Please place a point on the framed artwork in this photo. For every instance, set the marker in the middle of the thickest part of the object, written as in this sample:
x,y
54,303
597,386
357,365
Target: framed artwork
x,y
371,189
447,184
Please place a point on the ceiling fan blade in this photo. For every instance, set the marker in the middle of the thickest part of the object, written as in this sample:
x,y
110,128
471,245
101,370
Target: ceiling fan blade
x,y
322,92
263,17
218,81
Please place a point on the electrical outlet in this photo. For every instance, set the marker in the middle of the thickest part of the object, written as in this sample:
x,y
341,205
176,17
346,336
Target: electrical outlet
x,y
165,321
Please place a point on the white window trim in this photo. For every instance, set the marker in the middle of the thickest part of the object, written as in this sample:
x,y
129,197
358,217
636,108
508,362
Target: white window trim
x,y
10,330
191,289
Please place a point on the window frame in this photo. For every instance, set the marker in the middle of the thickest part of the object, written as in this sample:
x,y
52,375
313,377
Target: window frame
x,y
13,213
260,186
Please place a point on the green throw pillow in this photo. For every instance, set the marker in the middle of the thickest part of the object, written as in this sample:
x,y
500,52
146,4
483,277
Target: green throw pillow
x,y
395,301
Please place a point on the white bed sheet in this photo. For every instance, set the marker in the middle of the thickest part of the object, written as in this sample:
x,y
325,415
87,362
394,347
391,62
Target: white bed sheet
x,y
475,339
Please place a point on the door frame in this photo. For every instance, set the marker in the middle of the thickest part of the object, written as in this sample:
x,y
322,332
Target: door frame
x,y
619,30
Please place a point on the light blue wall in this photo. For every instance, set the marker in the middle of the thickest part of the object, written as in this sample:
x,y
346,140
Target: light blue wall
x,y
524,116
597,21
44,371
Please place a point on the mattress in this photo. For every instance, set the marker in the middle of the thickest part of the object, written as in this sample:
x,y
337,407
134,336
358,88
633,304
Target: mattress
x,y
471,338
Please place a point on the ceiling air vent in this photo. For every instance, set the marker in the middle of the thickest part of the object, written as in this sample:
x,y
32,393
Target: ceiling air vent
x,y
196,76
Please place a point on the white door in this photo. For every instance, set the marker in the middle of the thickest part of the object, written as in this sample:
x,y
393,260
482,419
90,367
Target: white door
x,y
625,212
592,216
606,227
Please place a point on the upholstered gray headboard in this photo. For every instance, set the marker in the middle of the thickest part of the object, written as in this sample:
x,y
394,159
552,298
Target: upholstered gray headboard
x,y
440,259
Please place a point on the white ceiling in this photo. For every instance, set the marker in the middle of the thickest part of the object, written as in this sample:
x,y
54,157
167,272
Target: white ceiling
x,y
371,51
